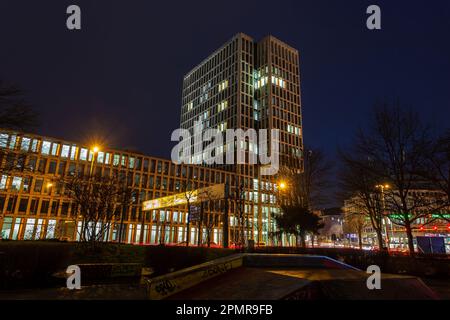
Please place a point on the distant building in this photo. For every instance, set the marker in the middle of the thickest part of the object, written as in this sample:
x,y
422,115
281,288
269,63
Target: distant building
x,y
332,218
432,225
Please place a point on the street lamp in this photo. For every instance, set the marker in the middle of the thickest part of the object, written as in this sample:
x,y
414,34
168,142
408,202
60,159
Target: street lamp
x,y
94,151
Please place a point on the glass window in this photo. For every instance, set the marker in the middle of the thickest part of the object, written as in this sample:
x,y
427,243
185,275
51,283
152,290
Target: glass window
x,y
116,160
73,152
3,140
3,181
25,144
83,154
131,163
46,147
55,147
100,157
6,228
34,145
65,151
107,158
16,183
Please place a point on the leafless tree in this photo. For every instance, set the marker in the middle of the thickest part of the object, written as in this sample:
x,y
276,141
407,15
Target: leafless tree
x,y
97,201
189,192
355,223
393,151
357,183
437,172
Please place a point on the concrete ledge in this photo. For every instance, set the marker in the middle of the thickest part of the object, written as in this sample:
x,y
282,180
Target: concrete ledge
x,y
293,260
166,285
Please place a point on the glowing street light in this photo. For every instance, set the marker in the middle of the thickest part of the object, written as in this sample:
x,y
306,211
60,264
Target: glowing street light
x,y
282,185
95,150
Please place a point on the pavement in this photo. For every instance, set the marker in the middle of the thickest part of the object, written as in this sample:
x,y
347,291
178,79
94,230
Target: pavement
x,y
247,283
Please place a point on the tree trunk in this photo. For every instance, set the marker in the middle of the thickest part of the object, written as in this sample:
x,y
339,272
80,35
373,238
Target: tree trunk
x,y
380,240
410,238
360,239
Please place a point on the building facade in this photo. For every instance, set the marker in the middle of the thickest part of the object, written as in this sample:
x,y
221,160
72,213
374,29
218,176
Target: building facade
x,y
433,223
243,85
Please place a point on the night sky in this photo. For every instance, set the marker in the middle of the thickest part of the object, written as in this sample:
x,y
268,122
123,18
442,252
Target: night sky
x,y
119,78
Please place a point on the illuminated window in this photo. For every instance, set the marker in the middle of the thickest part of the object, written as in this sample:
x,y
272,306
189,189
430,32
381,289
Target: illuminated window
x,y
34,145
131,163
190,106
108,158
55,147
116,160
3,140
3,181
73,152
16,183
223,85
25,144
64,151
100,157
222,106
83,154
12,142
46,147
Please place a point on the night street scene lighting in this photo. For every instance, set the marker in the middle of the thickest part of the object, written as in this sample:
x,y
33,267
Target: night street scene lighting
x,y
227,158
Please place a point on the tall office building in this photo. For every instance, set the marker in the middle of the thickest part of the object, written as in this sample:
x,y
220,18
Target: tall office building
x,y
247,84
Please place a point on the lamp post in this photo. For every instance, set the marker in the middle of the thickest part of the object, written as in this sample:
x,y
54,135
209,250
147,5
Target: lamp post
x,y
382,187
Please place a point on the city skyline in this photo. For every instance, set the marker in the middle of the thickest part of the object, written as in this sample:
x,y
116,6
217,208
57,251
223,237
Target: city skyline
x,y
121,89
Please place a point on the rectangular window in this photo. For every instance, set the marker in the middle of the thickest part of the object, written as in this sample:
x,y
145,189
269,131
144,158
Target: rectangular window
x,y
3,181
4,140
16,183
107,158
116,160
100,157
46,147
25,144
34,145
65,151
83,154
55,148
73,152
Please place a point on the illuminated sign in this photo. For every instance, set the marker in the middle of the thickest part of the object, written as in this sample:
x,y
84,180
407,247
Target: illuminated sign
x,y
200,195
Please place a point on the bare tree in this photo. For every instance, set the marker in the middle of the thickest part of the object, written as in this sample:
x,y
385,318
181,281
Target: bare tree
x,y
97,201
355,223
437,172
357,183
393,149
15,112
189,193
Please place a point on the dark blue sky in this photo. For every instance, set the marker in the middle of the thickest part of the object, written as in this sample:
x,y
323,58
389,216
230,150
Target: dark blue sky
x,y
120,77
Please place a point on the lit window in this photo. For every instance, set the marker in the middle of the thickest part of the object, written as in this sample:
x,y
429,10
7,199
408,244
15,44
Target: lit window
x,y
34,145
46,147
100,157
108,158
16,183
12,142
116,160
223,85
190,106
131,163
25,144
65,151
3,140
73,152
222,106
55,147
3,181
83,154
